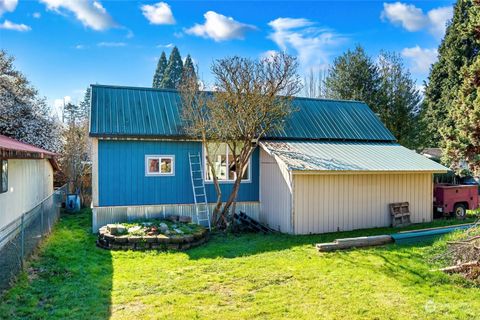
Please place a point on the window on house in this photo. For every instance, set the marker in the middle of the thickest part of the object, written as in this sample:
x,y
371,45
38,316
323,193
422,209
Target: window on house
x,y
3,176
159,165
223,162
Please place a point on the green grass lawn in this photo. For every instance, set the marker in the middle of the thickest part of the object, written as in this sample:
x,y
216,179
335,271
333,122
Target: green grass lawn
x,y
235,277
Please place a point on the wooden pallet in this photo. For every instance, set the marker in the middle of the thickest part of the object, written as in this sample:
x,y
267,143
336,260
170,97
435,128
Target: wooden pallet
x,y
400,213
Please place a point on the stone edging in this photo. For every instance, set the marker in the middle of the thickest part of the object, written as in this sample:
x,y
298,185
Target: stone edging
x,y
159,242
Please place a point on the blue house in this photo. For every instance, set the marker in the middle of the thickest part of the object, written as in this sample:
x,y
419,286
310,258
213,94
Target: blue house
x,y
334,166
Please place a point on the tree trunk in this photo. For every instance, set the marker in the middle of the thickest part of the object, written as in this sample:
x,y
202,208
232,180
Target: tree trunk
x,y
218,205
231,200
218,190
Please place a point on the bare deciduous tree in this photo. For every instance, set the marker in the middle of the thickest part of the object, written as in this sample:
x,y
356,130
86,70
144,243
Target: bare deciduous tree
x,y
196,114
314,84
75,159
252,98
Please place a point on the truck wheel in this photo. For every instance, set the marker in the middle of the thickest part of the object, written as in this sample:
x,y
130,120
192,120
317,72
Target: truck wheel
x,y
460,211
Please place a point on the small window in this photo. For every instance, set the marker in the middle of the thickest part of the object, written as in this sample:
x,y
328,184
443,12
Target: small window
x,y
159,165
3,176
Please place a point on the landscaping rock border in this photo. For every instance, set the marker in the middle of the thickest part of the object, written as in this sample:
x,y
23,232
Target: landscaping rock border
x,y
159,242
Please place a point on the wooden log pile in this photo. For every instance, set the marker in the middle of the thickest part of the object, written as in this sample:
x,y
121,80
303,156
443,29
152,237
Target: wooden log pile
x,y
465,253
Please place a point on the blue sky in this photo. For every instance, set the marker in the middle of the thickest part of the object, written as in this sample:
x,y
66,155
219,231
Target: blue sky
x,y
64,45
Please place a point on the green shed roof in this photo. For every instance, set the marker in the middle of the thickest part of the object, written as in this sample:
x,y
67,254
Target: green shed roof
x,y
146,112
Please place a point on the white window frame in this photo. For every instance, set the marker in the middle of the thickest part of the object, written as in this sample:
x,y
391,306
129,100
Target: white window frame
x,y
205,168
159,157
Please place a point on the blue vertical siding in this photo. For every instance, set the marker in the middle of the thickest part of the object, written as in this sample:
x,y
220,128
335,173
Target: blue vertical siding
x,y
122,180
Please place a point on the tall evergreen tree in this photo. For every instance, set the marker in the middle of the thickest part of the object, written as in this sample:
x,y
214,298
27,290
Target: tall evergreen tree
x,y
399,98
353,76
188,71
160,71
173,72
85,104
386,86
457,49
461,131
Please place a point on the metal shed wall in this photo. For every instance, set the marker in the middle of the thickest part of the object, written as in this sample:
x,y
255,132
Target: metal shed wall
x,y
338,202
29,182
275,194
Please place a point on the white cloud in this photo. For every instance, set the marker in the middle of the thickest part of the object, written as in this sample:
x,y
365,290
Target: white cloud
x,y
7,6
413,19
408,16
312,45
80,46
8,25
158,13
438,20
220,28
168,45
289,23
111,44
90,12
420,59
37,15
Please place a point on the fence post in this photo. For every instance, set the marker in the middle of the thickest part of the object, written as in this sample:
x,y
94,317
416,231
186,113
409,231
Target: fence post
x,y
22,240
42,219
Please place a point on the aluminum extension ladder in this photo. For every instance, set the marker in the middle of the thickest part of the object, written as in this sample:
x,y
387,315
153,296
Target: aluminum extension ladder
x,y
198,186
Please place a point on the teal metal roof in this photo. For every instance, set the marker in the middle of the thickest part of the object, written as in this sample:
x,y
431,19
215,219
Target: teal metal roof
x,y
349,156
147,112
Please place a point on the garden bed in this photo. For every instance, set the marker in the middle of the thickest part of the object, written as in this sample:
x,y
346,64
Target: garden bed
x,y
176,233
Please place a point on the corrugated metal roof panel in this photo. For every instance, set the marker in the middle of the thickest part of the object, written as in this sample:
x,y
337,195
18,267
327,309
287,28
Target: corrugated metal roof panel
x,y
9,144
131,111
349,156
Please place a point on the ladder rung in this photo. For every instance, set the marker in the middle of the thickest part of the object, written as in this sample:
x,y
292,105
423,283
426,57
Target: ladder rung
x,y
201,207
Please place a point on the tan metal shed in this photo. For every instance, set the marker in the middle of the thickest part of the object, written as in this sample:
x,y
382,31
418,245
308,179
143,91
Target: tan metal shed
x,y
309,187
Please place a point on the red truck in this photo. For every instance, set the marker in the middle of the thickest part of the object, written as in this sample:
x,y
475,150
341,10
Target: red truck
x,y
455,199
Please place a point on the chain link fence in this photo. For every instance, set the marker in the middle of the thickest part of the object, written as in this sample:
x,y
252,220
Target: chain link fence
x,y
19,238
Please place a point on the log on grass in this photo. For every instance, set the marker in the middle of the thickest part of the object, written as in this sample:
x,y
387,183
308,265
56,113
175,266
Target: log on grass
x,y
360,242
